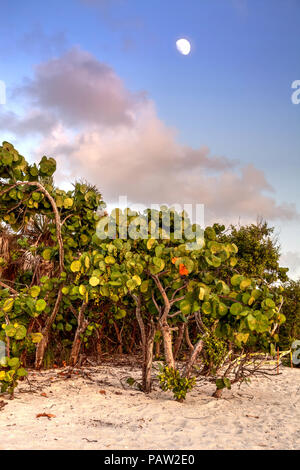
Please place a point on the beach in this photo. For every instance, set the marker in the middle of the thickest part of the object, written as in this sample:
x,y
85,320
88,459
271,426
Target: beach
x,y
94,408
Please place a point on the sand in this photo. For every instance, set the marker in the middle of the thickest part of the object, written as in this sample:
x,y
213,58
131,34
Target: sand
x,y
93,410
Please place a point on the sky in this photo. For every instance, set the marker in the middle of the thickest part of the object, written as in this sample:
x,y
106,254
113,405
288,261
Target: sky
x,y
100,86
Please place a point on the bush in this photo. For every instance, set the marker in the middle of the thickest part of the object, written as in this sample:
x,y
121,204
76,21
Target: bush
x,y
170,379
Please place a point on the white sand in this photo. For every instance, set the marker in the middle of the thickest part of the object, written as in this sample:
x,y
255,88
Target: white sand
x,y
127,419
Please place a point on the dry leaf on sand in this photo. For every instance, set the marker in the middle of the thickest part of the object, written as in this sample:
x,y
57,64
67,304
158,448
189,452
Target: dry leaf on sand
x,y
45,415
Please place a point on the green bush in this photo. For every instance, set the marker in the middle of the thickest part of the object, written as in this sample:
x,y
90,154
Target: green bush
x,y
170,379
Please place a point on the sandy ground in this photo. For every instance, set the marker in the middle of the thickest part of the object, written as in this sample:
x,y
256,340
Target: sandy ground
x,y
93,411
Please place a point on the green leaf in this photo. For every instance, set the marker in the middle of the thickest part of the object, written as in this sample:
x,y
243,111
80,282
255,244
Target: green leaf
x,y
137,280
150,243
158,262
34,291
94,281
236,309
130,381
245,298
47,254
223,287
131,284
270,303
36,337
201,293
21,372
256,294
75,266
210,233
185,307
104,290
220,384
144,287
234,248
251,320
206,308
13,362
222,309
68,203
227,383
236,279
36,196
10,331
82,289
159,250
40,305
8,305
242,337
20,332
47,166
245,284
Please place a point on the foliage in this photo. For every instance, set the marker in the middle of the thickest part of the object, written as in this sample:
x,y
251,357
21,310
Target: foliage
x,y
11,372
170,379
259,253
214,352
86,271
28,199
290,330
223,382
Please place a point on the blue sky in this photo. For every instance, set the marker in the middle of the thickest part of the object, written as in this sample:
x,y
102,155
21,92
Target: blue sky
x,y
232,94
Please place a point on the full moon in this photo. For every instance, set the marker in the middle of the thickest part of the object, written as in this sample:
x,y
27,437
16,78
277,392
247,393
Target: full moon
x,y
183,46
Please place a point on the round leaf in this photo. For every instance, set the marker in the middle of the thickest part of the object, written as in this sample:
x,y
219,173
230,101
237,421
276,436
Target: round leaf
x,y
40,305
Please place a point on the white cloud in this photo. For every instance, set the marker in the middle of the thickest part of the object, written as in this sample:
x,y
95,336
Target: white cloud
x,y
291,260
114,138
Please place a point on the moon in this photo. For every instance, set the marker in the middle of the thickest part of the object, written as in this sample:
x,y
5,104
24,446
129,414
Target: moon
x,y
183,46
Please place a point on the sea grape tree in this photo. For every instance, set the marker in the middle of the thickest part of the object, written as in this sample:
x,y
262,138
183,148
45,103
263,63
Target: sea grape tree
x,y
172,274
27,194
172,284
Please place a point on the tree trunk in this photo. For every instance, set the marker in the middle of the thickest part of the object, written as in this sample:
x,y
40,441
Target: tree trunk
x,y
140,321
98,344
218,393
132,342
42,345
148,359
81,327
119,337
197,349
167,337
188,341
179,339
147,337
157,348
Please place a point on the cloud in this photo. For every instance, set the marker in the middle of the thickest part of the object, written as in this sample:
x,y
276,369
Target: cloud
x,y
292,261
34,122
80,90
100,130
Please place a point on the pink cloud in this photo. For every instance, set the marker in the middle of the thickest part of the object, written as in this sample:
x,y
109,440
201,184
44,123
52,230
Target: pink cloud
x,y
115,139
